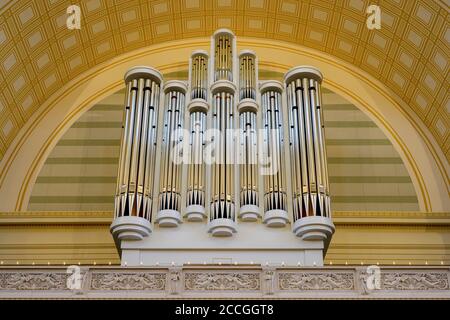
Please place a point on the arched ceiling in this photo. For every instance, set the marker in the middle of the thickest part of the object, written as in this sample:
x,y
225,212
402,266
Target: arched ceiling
x,y
410,53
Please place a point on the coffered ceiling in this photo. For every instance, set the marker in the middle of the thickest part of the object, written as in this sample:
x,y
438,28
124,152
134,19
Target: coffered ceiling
x,y
410,53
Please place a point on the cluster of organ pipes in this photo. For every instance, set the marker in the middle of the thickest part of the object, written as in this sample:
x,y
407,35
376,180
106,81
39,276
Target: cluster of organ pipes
x,y
248,175
274,184
196,169
247,76
170,179
223,57
199,76
222,204
248,166
310,186
134,192
216,98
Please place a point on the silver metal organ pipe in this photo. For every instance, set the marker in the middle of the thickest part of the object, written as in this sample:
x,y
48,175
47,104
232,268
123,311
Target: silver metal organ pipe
x,y
196,168
274,183
310,187
223,202
134,189
222,207
248,164
170,179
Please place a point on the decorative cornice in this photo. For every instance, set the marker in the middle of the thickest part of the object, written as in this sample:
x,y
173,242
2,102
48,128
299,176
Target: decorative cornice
x,y
58,214
211,282
403,214
391,218
54,218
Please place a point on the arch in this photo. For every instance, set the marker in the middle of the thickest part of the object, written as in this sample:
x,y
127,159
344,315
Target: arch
x,y
422,157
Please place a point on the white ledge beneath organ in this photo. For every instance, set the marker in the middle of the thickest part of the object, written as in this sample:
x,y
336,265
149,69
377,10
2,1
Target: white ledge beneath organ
x,y
252,243
264,199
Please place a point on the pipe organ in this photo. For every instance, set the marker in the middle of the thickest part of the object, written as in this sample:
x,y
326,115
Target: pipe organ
x,y
251,152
